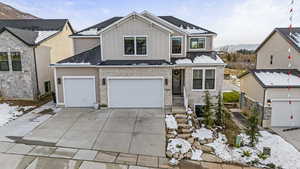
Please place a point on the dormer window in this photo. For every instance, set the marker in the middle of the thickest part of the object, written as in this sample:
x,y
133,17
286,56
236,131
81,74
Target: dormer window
x,y
177,45
135,45
197,43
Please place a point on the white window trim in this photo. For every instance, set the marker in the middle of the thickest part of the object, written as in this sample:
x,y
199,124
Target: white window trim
x,y
181,37
203,81
205,40
135,36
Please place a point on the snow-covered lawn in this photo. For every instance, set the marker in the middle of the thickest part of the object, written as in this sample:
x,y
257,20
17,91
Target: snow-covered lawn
x,y
282,155
8,112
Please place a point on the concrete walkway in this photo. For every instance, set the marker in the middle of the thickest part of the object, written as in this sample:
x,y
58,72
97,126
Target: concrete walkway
x,y
292,136
21,156
135,131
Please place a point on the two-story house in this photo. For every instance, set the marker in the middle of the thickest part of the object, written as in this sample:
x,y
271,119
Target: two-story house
x,y
274,86
140,60
27,47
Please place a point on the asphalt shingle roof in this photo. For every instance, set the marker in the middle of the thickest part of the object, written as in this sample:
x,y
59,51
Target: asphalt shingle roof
x,y
26,36
171,19
34,24
92,56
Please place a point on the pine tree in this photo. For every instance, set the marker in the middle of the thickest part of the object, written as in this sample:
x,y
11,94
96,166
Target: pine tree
x,y
252,127
220,111
208,111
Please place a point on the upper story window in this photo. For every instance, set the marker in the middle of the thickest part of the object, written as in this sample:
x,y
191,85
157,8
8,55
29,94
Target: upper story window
x,y
16,61
176,45
4,65
204,79
271,59
197,43
135,45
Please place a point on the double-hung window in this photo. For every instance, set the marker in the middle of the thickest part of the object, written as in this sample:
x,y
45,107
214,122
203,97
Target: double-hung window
x,y
176,45
135,45
204,79
16,61
197,43
198,79
4,64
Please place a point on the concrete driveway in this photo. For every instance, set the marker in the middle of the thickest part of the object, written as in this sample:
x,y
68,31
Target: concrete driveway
x,y
292,136
135,131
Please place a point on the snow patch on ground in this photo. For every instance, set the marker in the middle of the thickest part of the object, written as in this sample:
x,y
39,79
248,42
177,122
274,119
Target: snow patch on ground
x,y
171,122
196,155
202,134
283,154
178,145
8,113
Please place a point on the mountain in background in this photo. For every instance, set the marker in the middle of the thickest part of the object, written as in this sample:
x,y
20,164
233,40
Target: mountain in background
x,y
8,12
234,48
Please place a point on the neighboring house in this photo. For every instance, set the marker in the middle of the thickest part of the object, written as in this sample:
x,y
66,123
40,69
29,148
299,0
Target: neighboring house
x,y
267,87
140,60
27,47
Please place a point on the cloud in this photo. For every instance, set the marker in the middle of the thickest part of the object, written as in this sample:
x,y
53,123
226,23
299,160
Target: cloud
x,y
252,20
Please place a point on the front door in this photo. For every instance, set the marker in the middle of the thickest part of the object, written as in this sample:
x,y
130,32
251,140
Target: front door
x,y
176,82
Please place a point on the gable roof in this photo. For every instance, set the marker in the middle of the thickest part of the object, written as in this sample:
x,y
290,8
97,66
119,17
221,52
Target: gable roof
x,y
33,31
293,40
275,78
180,24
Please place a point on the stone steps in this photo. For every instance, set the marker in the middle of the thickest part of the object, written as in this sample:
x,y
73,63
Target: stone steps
x,y
184,136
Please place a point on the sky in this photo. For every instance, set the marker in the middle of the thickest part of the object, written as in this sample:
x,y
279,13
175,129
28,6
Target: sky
x,y
235,21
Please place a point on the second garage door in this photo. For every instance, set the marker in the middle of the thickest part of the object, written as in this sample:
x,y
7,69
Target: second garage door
x,y
285,114
134,92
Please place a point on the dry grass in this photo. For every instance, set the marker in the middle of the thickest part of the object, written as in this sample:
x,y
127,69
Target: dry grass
x,y
231,129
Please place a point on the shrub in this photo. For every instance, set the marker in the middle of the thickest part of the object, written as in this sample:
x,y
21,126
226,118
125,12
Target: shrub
x,y
231,97
208,111
252,128
246,154
262,156
103,105
220,111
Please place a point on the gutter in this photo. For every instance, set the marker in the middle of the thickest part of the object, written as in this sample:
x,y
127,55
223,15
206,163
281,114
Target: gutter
x,y
36,72
263,113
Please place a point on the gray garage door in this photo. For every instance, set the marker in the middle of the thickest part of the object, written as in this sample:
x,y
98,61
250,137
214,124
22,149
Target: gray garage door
x,y
135,92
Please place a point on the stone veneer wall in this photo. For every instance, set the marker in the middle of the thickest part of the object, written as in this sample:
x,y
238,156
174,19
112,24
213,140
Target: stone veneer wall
x,y
17,84
265,113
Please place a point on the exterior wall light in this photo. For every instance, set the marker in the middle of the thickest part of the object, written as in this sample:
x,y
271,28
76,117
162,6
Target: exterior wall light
x,y
269,102
166,82
103,81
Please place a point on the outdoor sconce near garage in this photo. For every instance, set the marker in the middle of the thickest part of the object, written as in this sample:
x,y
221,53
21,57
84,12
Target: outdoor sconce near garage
x,y
103,81
59,80
166,82
269,102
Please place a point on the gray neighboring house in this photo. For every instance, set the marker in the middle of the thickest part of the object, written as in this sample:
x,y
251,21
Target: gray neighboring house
x,y
268,86
27,47
140,60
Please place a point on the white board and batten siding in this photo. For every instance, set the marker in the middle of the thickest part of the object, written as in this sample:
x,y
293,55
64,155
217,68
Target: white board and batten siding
x,y
285,114
135,92
79,91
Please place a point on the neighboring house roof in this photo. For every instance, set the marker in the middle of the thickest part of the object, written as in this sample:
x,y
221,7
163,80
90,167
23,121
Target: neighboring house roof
x,y
294,39
92,56
183,25
276,78
34,24
33,31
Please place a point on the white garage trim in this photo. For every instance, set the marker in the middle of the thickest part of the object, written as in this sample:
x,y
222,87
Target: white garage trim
x,y
135,77
78,77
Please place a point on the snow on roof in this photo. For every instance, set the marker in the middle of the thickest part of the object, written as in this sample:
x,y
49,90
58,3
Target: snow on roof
x,y
278,79
93,31
70,63
42,35
296,38
203,59
192,30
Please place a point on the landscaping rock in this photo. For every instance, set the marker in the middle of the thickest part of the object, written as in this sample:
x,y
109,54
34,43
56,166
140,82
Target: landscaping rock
x,y
169,154
206,149
210,140
170,136
210,158
189,155
176,155
203,142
